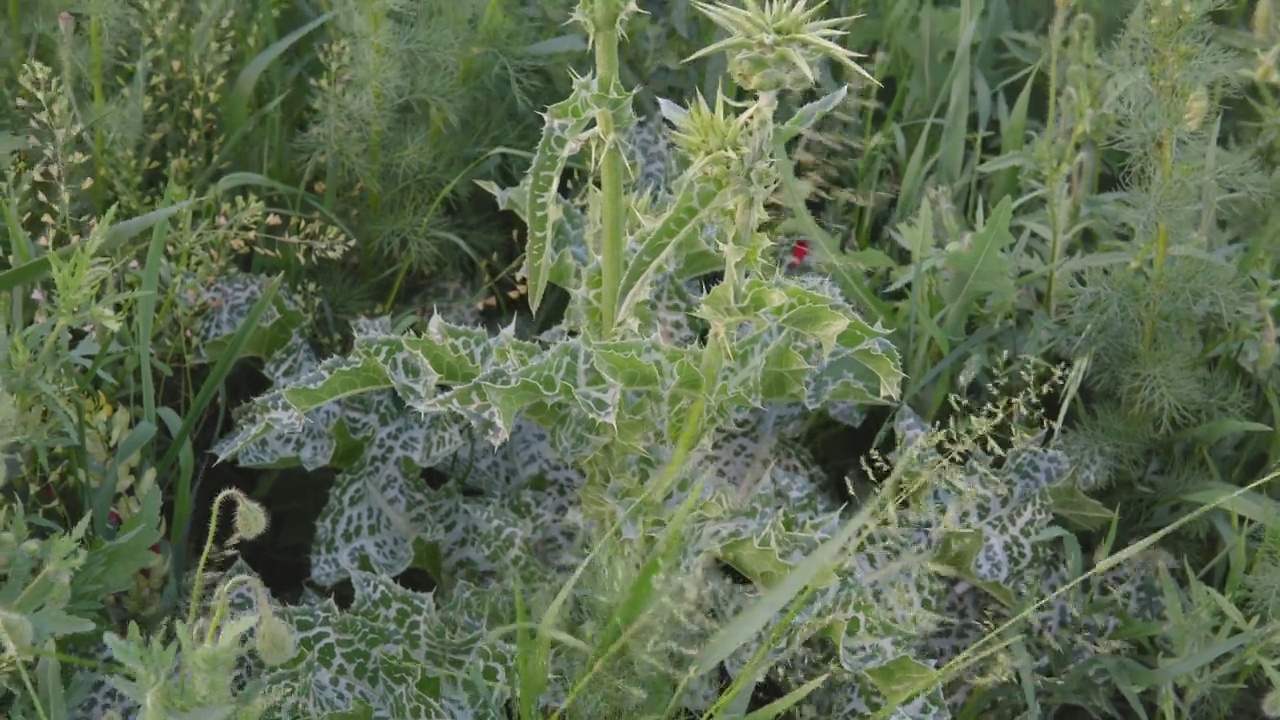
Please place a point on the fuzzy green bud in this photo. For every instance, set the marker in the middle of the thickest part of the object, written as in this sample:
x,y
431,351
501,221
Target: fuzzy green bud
x,y
274,640
250,518
17,632
1271,703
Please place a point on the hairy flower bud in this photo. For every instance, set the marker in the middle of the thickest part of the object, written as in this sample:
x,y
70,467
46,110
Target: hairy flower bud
x,y
250,517
16,631
274,640
1271,703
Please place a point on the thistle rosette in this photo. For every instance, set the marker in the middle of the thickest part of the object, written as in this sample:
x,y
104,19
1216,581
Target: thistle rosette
x,y
777,46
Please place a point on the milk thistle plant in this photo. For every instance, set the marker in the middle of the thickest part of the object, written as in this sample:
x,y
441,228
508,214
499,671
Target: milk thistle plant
x,y
613,382
624,394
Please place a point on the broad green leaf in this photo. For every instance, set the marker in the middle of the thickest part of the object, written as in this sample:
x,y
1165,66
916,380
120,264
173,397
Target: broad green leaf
x,y
570,43
980,268
900,678
1069,502
115,236
1013,131
1255,506
1216,430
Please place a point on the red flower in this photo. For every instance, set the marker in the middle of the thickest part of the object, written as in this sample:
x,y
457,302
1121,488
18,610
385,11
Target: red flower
x,y
799,252
146,572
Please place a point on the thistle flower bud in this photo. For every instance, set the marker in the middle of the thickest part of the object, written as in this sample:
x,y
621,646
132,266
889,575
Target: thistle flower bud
x,y
777,46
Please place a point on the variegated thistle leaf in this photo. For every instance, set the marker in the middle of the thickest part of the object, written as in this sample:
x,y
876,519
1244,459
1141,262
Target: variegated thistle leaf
x,y
399,653
564,132
568,252
504,516
1007,509
416,367
697,201
795,339
227,303
766,507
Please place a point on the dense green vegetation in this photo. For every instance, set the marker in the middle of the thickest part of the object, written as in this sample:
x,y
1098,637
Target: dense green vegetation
x,y
586,359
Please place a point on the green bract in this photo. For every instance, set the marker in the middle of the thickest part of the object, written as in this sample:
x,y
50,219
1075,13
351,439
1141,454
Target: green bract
x,y
775,47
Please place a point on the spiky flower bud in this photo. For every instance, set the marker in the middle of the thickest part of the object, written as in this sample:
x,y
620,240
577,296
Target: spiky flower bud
x,y
777,46
702,131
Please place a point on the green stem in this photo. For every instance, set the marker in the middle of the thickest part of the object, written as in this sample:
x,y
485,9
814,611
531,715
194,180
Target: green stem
x,y
377,18
15,25
1165,155
99,108
613,210
1055,174
204,555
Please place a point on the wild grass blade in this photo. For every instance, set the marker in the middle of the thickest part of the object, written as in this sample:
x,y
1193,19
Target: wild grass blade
x,y
788,701
148,295
115,237
241,92
751,621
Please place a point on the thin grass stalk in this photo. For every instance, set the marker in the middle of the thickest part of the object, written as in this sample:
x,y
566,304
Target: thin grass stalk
x,y
15,27
96,73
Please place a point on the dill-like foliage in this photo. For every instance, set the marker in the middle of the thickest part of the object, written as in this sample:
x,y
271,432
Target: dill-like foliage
x,y
411,96
1159,321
